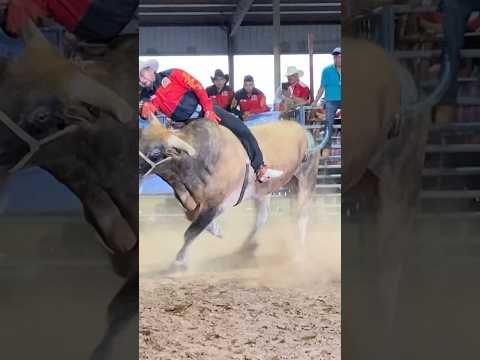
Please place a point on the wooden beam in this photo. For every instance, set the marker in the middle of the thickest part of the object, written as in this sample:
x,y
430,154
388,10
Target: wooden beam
x,y
276,43
237,18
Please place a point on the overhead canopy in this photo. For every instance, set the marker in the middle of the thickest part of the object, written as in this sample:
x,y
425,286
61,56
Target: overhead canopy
x,y
228,13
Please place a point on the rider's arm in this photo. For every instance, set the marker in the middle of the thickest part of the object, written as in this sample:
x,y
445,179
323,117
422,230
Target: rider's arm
x,y
194,85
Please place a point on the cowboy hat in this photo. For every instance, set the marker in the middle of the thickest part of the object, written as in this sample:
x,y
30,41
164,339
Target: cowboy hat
x,y
219,74
150,63
292,70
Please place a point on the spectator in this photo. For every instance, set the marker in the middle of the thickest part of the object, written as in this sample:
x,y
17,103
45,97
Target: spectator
x,y
331,84
292,93
250,99
220,93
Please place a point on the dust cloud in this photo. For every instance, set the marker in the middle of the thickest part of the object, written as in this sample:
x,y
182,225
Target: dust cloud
x,y
232,305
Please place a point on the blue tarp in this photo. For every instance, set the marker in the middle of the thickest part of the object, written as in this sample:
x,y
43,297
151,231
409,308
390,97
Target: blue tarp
x,y
36,191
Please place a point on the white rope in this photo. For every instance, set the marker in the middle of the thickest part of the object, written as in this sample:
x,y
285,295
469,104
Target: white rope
x,y
33,144
152,164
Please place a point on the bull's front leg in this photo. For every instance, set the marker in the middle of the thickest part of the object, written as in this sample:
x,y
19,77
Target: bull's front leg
x,y
204,218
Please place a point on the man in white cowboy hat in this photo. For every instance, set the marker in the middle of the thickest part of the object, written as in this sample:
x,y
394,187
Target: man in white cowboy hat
x,y
331,84
293,92
182,98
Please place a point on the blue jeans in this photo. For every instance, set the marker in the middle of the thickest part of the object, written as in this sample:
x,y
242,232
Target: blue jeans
x,y
331,107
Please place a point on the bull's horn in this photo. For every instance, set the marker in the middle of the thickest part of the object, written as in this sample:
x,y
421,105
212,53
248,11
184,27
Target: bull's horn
x,y
154,121
32,36
80,87
176,142
171,140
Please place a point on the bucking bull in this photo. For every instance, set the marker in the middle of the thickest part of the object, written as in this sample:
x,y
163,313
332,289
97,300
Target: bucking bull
x,y
68,121
209,170
384,139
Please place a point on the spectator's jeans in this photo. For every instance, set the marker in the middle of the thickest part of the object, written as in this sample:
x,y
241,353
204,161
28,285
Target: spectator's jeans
x,y
331,107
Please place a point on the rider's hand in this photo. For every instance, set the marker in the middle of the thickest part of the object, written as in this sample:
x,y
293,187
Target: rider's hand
x,y
210,115
147,109
20,11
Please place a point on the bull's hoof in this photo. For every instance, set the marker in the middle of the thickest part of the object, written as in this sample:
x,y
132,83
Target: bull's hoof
x,y
175,268
248,249
214,229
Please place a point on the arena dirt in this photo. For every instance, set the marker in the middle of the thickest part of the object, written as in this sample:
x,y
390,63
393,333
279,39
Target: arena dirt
x,y
231,306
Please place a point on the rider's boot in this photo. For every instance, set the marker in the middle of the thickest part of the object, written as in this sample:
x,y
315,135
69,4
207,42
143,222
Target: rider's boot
x,y
265,174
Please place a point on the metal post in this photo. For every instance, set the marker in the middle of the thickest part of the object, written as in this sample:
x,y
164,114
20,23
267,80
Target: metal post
x,y
276,43
311,39
231,63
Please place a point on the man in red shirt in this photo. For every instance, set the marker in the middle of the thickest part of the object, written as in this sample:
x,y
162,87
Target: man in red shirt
x,y
182,98
297,92
220,93
89,20
250,99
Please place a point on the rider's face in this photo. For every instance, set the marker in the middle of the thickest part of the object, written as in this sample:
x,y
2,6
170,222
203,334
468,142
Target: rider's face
x,y
146,78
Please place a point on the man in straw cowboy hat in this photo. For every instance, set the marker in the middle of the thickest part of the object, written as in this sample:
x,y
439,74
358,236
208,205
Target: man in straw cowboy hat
x,y
220,93
182,98
331,84
294,92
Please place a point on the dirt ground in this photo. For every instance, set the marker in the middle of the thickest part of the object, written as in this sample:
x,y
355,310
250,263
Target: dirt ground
x,y
231,306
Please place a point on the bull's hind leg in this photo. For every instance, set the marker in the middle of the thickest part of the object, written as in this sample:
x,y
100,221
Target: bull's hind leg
x,y
306,181
204,218
262,205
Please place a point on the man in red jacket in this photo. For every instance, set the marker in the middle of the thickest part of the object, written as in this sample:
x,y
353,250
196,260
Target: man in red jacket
x,y
181,97
250,99
89,20
220,93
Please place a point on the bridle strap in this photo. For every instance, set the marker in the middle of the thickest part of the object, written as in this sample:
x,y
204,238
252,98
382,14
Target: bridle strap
x,y
152,164
33,144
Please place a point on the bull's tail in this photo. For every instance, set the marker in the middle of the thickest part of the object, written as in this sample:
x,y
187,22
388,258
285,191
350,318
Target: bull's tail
x,y
313,148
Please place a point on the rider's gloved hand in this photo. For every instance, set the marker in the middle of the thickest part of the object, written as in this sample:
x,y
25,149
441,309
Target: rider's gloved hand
x,y
210,115
20,11
147,109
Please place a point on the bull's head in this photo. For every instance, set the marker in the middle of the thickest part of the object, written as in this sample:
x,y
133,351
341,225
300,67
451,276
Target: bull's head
x,y
43,94
42,71
157,145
